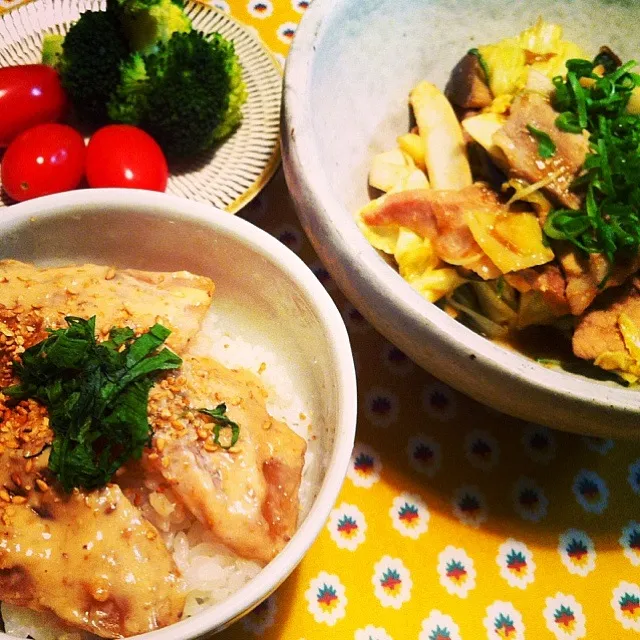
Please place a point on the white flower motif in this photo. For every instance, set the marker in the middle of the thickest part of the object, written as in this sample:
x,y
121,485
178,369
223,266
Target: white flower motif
x,y
409,515
290,236
381,407
469,505
539,443
320,272
503,622
286,31
577,552
482,449
599,445
391,582
564,617
326,598
626,605
439,626
355,321
365,466
301,6
372,633
347,526
590,491
263,617
439,401
529,500
396,361
634,476
516,563
630,542
425,455
260,8
457,571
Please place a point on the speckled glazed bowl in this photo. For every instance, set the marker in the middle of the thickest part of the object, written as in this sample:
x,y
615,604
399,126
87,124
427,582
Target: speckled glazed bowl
x,y
348,75
264,294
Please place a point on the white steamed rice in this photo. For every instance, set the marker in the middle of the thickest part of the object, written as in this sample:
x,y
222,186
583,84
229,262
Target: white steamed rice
x,y
210,571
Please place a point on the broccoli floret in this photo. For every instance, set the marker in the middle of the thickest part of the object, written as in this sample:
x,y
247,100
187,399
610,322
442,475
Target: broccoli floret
x,y
129,102
89,67
149,23
191,96
52,49
237,96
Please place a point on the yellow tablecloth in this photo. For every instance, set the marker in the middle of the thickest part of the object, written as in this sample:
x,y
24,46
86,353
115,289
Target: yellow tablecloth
x,y
454,521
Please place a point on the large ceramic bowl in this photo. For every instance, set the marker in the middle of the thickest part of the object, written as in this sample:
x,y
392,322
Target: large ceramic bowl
x,y
348,76
264,294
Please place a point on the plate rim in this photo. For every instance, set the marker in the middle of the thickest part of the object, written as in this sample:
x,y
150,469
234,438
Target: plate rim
x,y
276,156
273,162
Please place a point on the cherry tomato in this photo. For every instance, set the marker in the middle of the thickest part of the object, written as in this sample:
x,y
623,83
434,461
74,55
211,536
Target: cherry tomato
x,y
120,155
45,159
29,95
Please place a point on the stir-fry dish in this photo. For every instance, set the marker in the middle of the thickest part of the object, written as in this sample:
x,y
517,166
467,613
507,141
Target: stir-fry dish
x,y
140,478
514,201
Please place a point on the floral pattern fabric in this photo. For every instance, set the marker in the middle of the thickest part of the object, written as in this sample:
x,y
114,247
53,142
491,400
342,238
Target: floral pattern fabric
x,y
455,522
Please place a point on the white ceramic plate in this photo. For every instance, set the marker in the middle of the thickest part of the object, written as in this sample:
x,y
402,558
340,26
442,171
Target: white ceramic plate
x,y
349,72
237,170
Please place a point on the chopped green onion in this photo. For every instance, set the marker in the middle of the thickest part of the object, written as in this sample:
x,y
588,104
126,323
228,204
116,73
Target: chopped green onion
x,y
609,221
568,121
482,61
579,95
546,146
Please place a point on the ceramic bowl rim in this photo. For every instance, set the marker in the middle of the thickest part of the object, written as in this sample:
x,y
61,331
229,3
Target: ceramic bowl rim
x,y
319,208
269,248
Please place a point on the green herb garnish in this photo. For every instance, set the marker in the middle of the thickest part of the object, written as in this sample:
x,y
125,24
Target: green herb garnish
x,y
96,394
546,146
482,61
221,421
609,220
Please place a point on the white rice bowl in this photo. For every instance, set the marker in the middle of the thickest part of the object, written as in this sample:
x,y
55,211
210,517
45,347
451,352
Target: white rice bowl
x,y
210,571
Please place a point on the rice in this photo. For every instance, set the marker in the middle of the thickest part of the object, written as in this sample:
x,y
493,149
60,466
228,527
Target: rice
x,y
210,571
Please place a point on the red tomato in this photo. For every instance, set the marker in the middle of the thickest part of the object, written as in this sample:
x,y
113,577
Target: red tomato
x,y
120,155
29,95
45,159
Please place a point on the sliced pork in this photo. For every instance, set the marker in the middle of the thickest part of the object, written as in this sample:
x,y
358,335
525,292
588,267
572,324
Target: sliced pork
x,y
118,297
521,148
546,280
597,330
247,495
585,275
440,216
